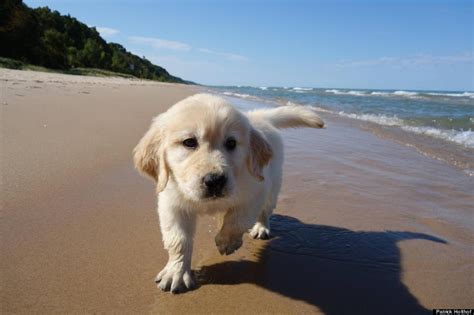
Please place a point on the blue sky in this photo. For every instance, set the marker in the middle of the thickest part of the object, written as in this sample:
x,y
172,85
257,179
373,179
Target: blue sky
x,y
341,44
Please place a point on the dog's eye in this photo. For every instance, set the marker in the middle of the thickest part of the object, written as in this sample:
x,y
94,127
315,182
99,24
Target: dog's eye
x,y
190,143
230,144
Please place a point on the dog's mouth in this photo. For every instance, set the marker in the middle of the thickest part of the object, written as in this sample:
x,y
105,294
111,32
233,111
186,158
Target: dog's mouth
x,y
217,195
213,195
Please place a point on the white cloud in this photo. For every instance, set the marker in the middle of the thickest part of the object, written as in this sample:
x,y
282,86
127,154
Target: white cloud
x,y
159,43
107,31
415,60
230,56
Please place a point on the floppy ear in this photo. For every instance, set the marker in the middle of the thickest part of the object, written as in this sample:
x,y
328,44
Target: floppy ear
x,y
149,158
259,155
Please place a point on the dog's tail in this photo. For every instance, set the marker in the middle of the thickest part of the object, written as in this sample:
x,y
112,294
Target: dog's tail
x,y
291,116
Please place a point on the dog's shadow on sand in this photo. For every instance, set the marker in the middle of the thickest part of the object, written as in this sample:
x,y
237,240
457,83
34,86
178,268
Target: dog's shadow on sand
x,y
338,270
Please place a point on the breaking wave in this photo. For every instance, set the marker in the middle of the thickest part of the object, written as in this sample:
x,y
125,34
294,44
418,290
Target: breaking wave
x,y
465,138
401,93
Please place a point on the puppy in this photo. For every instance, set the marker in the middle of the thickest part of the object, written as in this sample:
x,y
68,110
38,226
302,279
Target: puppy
x,y
209,158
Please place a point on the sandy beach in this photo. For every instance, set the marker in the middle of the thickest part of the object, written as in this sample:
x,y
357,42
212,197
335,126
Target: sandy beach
x,y
363,224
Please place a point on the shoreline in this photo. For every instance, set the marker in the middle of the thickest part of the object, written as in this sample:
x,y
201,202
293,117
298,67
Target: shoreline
x,y
362,223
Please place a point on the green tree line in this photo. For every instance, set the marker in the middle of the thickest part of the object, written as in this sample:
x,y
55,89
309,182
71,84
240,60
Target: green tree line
x,y
46,38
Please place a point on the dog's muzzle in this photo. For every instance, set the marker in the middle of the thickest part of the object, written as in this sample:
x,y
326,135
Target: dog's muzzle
x,y
214,184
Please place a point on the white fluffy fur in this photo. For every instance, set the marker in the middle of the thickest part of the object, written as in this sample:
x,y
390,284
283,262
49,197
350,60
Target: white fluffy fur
x,y
254,171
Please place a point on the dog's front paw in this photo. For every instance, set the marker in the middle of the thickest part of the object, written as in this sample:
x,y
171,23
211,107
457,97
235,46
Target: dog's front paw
x,y
175,278
260,231
227,244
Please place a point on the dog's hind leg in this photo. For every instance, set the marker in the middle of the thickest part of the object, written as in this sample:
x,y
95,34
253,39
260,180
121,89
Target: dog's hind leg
x,y
261,228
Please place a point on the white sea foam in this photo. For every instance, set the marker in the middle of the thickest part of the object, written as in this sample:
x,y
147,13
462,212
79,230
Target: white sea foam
x,y
302,89
356,93
263,88
411,94
465,138
401,93
374,93
378,119
464,94
405,93
380,93
334,91
339,92
237,95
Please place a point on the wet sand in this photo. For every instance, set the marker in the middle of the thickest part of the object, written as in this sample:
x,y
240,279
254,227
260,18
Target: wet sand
x,y
363,224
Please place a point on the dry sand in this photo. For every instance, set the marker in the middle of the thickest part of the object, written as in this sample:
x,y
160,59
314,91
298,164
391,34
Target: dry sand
x,y
363,224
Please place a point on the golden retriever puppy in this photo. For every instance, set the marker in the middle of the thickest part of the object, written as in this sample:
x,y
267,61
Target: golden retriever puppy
x,y
209,158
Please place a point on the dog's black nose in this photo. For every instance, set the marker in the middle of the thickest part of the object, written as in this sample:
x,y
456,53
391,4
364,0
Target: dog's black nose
x,y
214,183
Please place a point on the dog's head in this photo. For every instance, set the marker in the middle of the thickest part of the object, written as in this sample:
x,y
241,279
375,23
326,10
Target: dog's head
x,y
204,145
